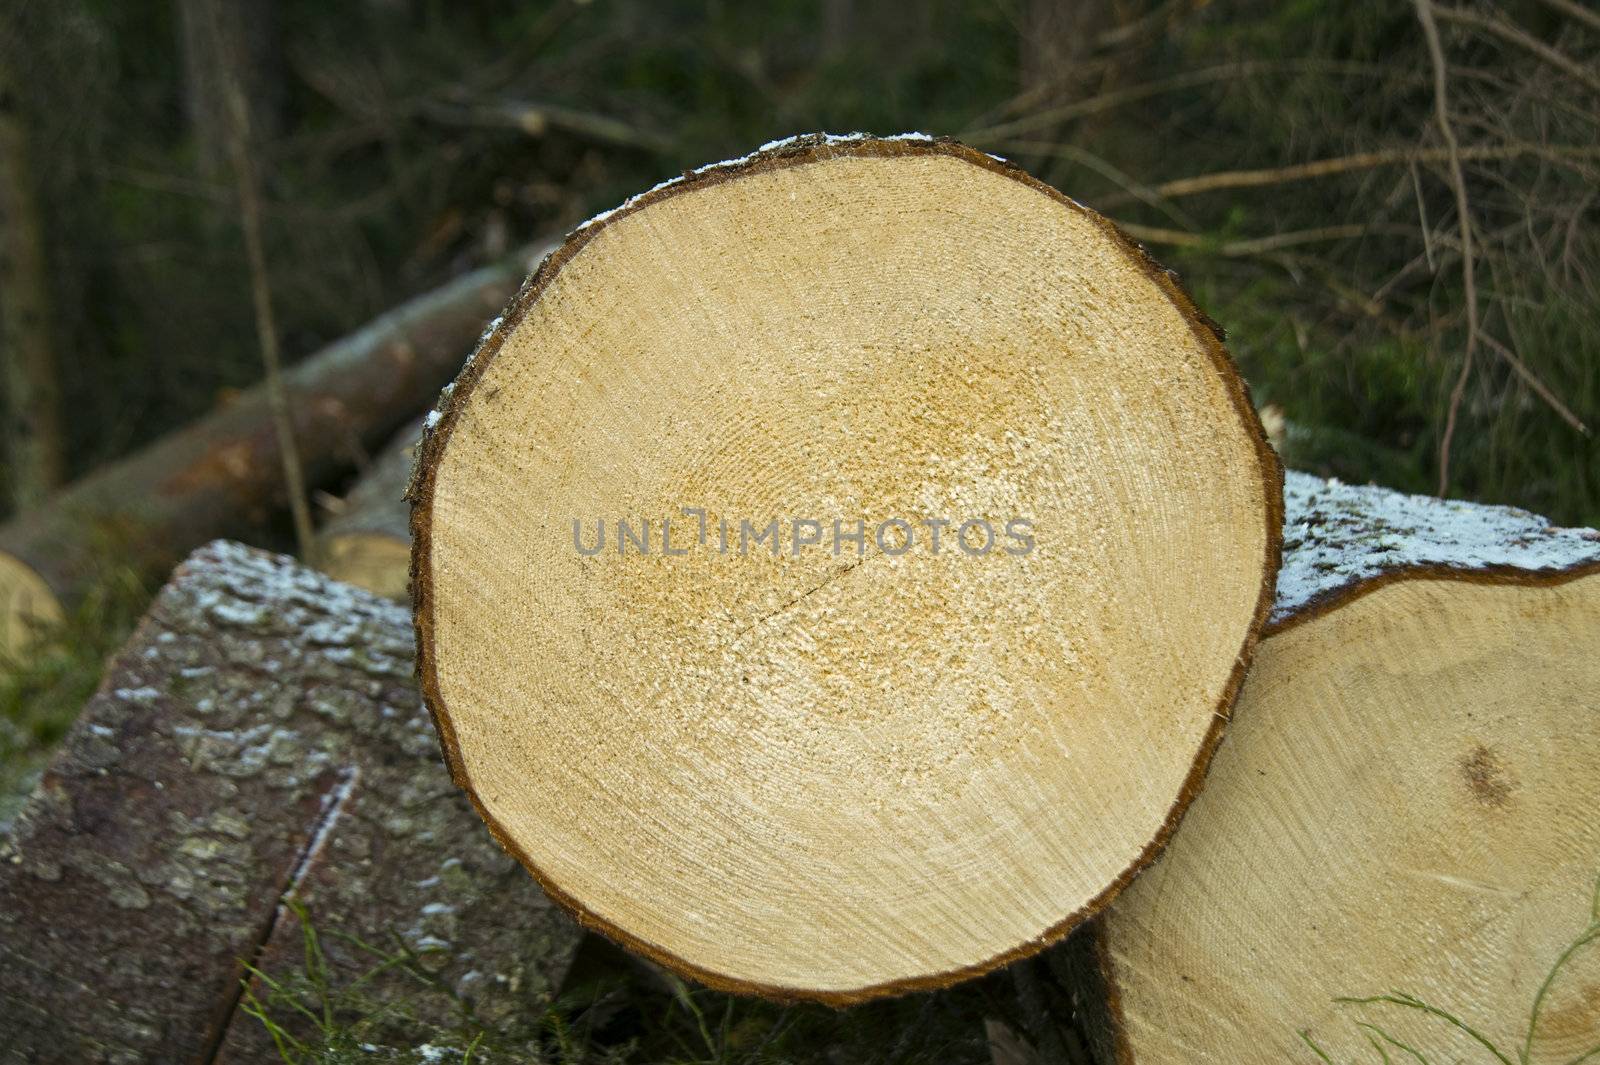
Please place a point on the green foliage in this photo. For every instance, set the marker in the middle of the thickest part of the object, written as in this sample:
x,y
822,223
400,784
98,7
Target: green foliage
x,y
1382,1041
41,696
614,1012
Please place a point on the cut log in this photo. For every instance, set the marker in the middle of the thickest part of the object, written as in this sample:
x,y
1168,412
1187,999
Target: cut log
x,y
259,739
1408,803
822,765
367,542
221,476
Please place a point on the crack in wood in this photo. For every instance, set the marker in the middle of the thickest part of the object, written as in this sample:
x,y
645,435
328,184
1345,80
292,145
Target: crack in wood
x,y
829,579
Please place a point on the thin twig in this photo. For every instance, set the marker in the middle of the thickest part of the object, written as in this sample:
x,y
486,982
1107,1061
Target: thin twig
x,y
536,119
1260,245
1246,179
1126,182
1576,11
1534,383
261,294
1441,104
1515,35
1422,216
1107,101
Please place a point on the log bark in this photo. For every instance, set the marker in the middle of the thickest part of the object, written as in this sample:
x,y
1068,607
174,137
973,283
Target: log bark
x,y
1408,802
367,541
260,739
221,475
778,769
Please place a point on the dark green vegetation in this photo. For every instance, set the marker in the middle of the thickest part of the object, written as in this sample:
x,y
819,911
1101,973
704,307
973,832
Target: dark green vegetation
x,y
399,141
614,1011
40,698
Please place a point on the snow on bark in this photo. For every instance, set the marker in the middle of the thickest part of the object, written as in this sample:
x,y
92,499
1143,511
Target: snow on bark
x,y
1339,536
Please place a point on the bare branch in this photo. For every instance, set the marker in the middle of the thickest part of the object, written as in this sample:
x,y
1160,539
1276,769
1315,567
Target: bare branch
x,y
1576,11
1260,245
536,119
1441,102
1245,179
1515,35
1107,101
1539,387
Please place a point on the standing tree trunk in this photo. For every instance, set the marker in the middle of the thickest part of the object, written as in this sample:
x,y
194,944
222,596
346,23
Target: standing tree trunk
x,y
1408,804
36,451
832,765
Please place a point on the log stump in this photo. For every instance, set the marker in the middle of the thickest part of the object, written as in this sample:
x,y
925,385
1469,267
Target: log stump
x,y
773,732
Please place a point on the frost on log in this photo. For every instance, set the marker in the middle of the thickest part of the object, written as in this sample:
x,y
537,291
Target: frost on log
x,y
822,767
1408,801
260,738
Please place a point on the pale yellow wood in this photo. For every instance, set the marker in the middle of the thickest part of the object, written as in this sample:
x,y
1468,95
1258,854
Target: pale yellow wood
x,y
1408,800
816,775
376,561
29,608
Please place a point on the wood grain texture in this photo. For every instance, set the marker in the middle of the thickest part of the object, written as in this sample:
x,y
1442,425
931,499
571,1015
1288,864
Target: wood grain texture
x,y
841,776
1408,800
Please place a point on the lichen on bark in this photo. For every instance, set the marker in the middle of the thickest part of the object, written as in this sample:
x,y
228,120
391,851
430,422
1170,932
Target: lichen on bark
x,y
260,737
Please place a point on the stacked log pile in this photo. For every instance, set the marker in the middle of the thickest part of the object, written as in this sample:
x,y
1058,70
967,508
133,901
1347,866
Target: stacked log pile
x,y
788,760
221,476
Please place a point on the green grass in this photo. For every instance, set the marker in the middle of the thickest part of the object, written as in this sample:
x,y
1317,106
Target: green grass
x,y
613,1010
42,695
1382,1041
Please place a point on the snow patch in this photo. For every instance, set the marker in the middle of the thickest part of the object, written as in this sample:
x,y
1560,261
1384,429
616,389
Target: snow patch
x,y
1336,536
825,139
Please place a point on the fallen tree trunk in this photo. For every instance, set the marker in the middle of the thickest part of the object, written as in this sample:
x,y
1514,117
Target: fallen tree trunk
x,y
367,541
258,743
986,528
1408,804
221,476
